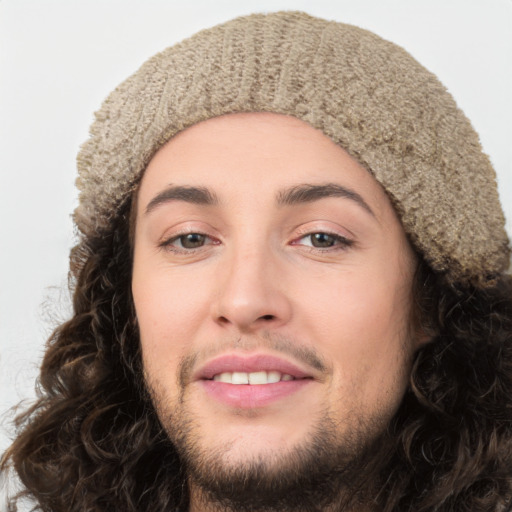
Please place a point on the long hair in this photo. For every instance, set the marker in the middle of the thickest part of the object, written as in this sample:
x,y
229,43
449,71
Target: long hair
x,y
92,442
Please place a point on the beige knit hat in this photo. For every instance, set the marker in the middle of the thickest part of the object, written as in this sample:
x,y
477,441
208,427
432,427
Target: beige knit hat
x,y
368,95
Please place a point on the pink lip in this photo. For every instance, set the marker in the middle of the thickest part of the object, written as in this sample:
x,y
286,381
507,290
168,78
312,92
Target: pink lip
x,y
246,396
254,363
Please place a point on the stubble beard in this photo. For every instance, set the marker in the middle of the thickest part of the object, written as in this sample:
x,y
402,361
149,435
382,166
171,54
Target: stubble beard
x,y
322,473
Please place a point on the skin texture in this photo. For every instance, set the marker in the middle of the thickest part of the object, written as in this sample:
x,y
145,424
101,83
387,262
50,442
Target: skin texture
x,y
255,284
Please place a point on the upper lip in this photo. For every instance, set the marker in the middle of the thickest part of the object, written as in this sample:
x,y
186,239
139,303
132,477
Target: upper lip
x,y
250,363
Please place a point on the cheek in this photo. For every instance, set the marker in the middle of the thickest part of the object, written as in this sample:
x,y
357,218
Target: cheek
x,y
351,308
361,324
168,314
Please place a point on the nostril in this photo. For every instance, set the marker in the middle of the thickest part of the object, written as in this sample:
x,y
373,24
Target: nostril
x,y
268,317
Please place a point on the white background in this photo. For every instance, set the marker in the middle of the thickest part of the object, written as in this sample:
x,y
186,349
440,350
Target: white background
x,y
60,58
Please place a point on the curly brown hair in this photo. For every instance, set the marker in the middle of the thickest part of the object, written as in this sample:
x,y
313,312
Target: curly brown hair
x,y
93,442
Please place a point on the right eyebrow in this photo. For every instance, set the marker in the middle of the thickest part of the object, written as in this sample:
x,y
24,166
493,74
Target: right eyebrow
x,y
189,194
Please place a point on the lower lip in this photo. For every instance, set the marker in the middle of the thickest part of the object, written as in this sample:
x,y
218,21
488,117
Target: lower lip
x,y
247,396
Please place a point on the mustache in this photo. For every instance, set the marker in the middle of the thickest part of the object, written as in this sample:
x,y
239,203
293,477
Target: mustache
x,y
283,345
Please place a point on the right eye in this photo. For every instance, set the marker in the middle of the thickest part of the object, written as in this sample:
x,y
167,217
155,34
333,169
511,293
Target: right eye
x,y
188,241
191,240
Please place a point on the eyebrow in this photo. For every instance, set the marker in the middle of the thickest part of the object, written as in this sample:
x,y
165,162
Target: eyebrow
x,y
300,194
189,194
307,193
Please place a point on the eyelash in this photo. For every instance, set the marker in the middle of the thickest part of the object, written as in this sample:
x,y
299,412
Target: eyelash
x,y
168,243
340,242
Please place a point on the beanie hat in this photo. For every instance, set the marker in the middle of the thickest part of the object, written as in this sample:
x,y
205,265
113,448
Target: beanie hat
x,y
367,94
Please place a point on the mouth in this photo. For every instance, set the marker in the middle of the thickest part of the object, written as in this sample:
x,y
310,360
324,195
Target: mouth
x,y
253,378
251,369
253,381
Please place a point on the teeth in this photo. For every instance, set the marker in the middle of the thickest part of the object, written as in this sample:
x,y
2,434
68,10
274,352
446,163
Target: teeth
x,y
239,378
273,377
262,377
257,378
224,377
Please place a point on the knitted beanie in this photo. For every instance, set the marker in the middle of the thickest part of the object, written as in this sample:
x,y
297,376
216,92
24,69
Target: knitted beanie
x,y
367,94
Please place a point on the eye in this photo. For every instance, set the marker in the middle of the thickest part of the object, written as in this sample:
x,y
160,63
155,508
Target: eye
x,y
322,240
188,241
191,240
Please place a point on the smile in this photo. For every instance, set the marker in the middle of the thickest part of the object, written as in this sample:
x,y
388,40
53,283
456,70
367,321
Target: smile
x,y
254,381
251,369
253,378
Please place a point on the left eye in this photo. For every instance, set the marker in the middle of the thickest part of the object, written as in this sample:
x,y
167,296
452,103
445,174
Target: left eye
x,y
324,240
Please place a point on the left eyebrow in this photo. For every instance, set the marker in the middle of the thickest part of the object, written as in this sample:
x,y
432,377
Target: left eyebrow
x,y
307,193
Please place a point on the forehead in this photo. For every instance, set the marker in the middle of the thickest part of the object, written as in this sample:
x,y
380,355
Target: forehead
x,y
240,156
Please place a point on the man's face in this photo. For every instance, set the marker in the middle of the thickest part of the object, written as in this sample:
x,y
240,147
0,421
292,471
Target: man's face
x,y
272,285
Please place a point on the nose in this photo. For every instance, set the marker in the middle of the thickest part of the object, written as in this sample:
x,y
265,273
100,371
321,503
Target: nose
x,y
252,293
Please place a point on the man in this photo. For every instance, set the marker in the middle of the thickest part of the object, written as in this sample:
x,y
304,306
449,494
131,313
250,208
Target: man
x,y
289,290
